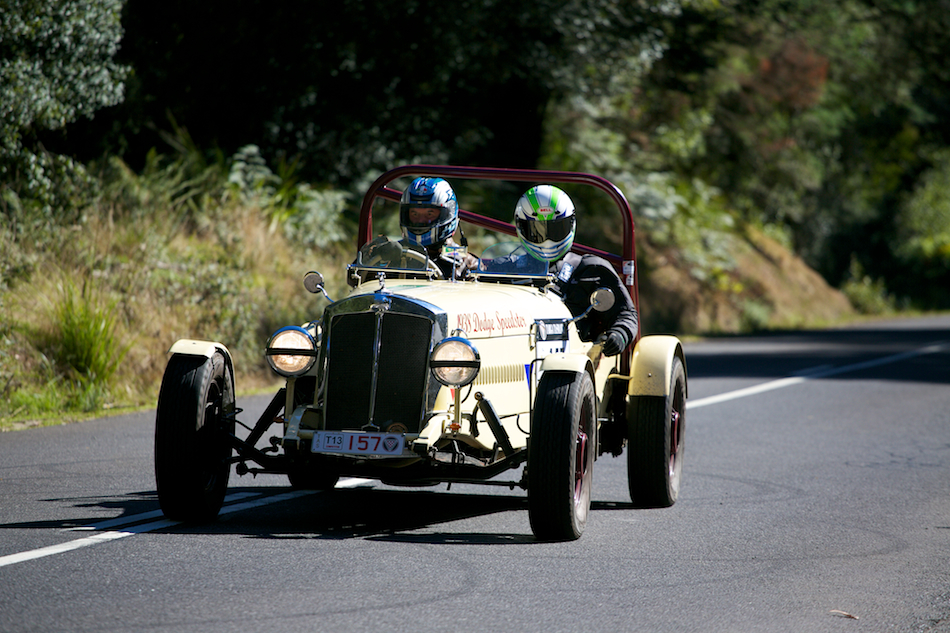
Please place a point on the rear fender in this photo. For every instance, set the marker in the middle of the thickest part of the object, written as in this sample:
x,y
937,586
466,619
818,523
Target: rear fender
x,y
652,365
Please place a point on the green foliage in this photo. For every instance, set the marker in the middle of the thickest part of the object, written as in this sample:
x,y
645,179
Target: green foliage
x,y
53,399
825,124
755,315
360,88
56,65
814,118
923,224
923,237
62,362
309,216
50,397
867,295
183,187
84,336
673,210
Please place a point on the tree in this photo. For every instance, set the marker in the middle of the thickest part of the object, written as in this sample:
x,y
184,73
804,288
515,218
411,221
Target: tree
x,y
352,86
56,65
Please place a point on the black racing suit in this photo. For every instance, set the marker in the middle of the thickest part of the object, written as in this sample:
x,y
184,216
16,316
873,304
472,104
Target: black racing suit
x,y
578,276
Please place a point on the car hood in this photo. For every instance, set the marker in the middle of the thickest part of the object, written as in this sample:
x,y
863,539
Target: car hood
x,y
481,310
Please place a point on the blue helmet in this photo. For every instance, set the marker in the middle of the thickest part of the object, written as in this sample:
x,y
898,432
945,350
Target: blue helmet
x,y
428,212
544,220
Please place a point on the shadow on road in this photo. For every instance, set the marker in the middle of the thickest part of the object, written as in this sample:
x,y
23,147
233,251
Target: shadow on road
x,y
378,514
338,514
920,354
384,515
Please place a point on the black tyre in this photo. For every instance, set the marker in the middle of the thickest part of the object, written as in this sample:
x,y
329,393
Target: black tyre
x,y
561,455
192,450
656,432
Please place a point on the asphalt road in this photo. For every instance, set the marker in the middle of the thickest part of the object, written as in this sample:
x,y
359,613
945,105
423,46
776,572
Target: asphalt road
x,y
816,497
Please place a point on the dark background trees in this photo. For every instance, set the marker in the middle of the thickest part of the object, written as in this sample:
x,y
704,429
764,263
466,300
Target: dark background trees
x,y
56,66
826,122
354,85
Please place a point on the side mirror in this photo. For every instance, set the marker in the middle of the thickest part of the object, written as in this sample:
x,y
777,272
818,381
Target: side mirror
x,y
313,282
602,299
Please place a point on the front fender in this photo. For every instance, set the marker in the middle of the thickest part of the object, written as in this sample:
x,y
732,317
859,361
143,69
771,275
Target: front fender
x,y
568,362
652,366
190,347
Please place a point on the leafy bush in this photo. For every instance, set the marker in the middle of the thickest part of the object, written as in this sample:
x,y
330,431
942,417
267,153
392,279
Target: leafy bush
x,y
868,296
923,237
55,66
85,337
309,216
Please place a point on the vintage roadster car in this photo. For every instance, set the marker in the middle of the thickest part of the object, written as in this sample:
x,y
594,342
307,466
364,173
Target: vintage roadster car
x,y
413,379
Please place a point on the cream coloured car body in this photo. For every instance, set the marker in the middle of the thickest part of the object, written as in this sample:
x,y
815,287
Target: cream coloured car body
x,y
499,320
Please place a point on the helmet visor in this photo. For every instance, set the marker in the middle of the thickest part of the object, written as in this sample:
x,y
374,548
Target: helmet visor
x,y
540,231
422,217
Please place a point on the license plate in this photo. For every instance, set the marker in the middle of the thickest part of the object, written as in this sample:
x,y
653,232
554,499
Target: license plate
x,y
354,443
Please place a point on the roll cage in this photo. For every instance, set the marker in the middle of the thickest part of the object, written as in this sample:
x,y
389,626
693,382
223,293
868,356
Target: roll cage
x,y
625,263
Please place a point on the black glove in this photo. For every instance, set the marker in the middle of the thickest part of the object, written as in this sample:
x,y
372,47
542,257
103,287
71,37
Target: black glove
x,y
382,249
614,343
390,251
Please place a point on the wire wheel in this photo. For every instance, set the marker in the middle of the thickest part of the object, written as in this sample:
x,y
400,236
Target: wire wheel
x,y
561,456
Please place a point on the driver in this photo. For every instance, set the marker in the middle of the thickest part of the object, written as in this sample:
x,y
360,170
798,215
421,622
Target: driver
x,y
545,223
429,217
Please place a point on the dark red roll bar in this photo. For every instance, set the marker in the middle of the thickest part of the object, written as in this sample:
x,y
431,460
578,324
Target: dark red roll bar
x,y
625,263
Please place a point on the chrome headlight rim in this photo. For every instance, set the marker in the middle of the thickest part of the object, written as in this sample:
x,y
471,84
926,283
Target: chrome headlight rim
x,y
291,351
458,371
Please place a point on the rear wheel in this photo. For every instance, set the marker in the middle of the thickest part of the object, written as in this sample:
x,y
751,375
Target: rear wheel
x,y
192,448
657,426
561,456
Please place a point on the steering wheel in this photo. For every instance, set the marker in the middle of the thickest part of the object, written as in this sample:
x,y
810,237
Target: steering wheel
x,y
425,261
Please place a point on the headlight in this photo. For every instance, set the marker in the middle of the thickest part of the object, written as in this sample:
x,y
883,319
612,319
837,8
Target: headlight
x,y
454,362
291,351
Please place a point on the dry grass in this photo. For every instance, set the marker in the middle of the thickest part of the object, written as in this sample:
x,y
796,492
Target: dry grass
x,y
232,279
769,288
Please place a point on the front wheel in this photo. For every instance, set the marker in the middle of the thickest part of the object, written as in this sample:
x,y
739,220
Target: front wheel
x,y
656,432
192,428
561,456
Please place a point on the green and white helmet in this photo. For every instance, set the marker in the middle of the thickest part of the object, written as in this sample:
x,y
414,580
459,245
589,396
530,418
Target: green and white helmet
x,y
544,220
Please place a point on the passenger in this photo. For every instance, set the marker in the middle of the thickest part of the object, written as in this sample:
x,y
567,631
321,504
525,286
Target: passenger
x,y
429,218
545,223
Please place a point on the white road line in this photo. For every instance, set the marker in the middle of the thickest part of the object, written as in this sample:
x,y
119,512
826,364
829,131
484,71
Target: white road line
x,y
104,537
138,518
817,372
95,539
133,523
354,482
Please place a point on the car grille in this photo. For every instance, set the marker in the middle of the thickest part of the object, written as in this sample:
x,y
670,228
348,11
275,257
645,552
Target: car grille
x,y
400,366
